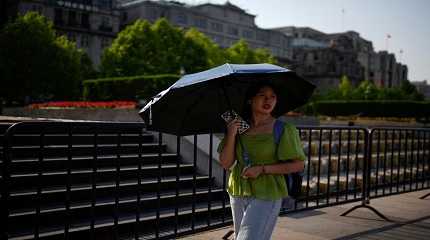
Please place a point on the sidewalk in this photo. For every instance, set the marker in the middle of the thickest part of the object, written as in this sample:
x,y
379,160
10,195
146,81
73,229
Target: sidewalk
x,y
410,216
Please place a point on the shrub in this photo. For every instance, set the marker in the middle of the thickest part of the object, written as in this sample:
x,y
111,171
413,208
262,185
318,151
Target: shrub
x,y
127,88
83,104
417,109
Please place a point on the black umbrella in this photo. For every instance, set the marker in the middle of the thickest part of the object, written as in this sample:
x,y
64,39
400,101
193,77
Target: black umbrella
x,y
194,104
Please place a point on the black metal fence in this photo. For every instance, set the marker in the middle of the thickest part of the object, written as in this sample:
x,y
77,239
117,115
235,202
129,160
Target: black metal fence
x,y
400,160
334,167
116,181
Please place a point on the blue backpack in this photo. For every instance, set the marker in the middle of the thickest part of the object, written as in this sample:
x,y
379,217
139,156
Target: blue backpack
x,y
293,180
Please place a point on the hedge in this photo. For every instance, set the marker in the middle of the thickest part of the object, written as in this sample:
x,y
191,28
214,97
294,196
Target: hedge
x,y
416,109
126,88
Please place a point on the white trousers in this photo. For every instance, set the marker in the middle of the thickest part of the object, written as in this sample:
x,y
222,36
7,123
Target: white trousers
x,y
254,218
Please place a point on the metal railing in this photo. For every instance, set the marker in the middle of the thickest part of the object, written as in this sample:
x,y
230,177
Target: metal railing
x,y
334,166
97,180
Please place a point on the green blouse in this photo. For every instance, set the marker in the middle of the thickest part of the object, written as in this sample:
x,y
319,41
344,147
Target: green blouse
x,y
261,149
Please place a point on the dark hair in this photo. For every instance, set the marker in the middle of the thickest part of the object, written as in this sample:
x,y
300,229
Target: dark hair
x,y
252,92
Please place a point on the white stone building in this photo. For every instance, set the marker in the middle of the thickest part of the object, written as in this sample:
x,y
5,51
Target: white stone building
x,y
92,24
223,23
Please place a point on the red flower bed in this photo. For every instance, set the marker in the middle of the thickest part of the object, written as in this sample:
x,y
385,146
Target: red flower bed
x,y
84,104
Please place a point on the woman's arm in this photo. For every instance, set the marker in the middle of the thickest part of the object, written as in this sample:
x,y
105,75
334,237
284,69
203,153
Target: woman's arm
x,y
284,167
275,168
227,155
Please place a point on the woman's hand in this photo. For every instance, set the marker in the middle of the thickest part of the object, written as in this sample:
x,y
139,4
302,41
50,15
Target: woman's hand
x,y
252,172
232,128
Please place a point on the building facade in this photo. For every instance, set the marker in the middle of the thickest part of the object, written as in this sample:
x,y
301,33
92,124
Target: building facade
x,y
92,24
423,87
320,57
8,11
225,24
341,54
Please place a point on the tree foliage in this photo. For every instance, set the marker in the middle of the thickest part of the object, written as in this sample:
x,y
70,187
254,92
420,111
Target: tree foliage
x,y
35,64
160,48
240,52
215,55
367,90
145,49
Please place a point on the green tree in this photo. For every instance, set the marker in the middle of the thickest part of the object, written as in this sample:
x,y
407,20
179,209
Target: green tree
x,y
263,55
87,67
365,91
411,91
345,87
391,94
215,55
240,52
145,49
35,64
131,53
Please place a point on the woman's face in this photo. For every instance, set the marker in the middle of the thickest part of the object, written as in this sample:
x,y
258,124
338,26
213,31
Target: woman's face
x,y
264,101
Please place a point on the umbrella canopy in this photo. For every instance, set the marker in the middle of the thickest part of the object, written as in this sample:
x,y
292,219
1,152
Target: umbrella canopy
x,y
194,104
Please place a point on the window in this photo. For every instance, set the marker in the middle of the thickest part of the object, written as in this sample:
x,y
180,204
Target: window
x,y
105,24
276,39
262,36
124,16
58,16
233,30
201,23
85,41
72,18
217,27
105,21
71,36
105,3
153,14
217,39
247,34
181,18
104,42
85,20
37,8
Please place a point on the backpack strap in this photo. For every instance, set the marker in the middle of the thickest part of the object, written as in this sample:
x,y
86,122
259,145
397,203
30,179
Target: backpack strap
x,y
278,130
245,154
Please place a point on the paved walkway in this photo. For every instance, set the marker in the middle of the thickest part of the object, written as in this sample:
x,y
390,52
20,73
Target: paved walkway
x,y
410,220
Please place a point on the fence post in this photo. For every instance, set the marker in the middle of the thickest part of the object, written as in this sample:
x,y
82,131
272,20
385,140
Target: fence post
x,y
366,177
4,209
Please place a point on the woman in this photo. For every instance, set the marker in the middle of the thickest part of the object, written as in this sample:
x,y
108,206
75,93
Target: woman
x,y
256,191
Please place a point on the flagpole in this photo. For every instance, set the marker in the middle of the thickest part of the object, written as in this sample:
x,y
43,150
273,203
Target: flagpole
x,y
386,42
400,55
343,20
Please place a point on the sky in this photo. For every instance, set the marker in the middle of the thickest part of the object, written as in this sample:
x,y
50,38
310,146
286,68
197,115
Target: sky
x,y
407,22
